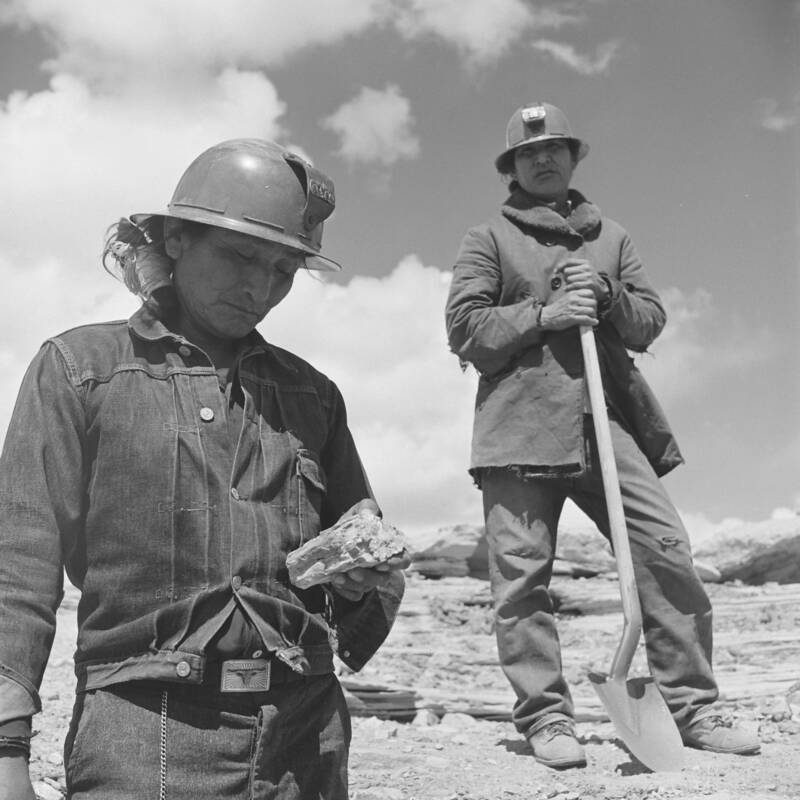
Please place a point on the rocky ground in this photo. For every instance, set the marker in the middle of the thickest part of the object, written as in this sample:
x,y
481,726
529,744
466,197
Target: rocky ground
x,y
432,708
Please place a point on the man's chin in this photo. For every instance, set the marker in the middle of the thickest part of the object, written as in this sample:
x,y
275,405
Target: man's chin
x,y
233,332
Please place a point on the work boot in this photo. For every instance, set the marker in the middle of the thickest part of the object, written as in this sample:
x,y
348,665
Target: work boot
x,y
718,734
556,746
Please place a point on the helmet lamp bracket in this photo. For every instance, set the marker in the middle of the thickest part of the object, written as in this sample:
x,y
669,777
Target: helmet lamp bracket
x,y
534,117
320,197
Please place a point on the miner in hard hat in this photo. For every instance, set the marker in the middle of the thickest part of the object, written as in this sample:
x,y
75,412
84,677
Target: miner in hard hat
x,y
523,284
170,463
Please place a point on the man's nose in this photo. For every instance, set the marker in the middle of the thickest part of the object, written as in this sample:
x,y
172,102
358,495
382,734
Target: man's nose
x,y
257,282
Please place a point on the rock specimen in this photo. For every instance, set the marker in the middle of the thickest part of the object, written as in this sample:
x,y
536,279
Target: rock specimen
x,y
363,540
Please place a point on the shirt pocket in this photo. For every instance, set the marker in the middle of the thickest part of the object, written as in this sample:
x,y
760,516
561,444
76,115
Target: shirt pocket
x,y
311,487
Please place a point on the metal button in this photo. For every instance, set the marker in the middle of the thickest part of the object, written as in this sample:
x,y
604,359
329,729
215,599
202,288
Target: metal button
x,y
235,493
236,582
555,283
183,669
184,351
206,414
257,654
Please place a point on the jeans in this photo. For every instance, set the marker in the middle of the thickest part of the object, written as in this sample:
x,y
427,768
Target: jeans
x,y
521,522
290,743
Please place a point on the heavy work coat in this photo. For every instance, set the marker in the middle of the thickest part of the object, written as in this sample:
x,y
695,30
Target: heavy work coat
x,y
530,402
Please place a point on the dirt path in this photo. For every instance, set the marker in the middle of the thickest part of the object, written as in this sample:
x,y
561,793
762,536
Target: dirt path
x,y
443,643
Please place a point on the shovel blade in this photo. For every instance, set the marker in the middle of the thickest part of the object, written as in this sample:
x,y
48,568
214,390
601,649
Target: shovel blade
x,y
642,720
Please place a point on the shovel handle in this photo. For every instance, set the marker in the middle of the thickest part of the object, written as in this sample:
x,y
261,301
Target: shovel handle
x,y
616,516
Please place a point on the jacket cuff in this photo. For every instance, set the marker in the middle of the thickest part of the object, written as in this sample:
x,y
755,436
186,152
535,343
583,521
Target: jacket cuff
x,y
362,627
16,729
615,289
16,702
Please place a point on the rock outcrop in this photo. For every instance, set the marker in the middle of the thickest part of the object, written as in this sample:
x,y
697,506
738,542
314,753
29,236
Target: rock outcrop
x,y
461,550
756,553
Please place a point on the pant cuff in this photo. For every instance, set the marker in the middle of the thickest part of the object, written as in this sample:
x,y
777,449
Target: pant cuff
x,y
544,721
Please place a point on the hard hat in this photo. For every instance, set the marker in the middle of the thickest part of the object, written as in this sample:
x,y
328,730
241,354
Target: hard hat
x,y
537,122
259,188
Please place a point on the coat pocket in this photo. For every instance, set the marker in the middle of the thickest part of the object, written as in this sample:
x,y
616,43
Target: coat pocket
x,y
311,487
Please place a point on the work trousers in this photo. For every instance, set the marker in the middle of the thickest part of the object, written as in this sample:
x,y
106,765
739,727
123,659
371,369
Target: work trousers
x,y
522,516
290,743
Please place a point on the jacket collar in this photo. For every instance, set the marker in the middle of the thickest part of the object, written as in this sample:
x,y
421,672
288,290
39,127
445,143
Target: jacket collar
x,y
144,324
523,209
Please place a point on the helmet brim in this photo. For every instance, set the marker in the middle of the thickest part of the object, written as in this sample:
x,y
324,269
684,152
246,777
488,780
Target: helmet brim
x,y
314,259
502,165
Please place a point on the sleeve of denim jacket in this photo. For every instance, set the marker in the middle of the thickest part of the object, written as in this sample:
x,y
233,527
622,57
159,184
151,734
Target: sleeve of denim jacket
x,y
479,329
41,512
635,308
361,626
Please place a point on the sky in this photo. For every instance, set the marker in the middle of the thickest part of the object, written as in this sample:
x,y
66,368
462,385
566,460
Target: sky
x,y
692,113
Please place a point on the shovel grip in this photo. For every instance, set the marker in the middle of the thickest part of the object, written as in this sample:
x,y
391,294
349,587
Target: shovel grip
x,y
616,516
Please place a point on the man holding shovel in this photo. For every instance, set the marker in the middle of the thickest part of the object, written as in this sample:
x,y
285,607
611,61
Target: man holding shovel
x,y
524,284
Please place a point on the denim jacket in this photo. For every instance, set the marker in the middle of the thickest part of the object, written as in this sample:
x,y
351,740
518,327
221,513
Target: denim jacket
x,y
118,465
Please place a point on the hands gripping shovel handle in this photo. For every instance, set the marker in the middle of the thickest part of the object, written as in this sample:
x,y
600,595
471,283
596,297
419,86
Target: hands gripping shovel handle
x,y
635,706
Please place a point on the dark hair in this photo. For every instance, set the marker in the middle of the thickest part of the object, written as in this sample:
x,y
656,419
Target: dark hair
x,y
135,253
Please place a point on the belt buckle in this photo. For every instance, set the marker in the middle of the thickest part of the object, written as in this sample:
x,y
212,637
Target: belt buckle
x,y
244,675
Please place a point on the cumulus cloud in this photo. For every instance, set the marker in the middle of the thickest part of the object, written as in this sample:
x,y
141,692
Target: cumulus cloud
x,y
776,119
782,512
117,40
80,159
702,529
566,54
381,339
42,300
75,158
410,406
107,139
87,150
375,127
483,30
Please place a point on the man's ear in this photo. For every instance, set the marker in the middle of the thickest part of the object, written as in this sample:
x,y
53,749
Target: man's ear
x,y
173,241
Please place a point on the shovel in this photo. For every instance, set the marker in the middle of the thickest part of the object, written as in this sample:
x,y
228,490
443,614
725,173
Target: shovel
x,y
635,705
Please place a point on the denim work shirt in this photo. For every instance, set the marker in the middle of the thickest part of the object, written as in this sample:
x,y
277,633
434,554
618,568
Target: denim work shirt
x,y
118,465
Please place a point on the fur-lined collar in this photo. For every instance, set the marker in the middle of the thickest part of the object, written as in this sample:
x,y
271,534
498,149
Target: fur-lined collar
x,y
523,209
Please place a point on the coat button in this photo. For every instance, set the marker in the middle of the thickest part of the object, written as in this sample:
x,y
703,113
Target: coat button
x,y
555,283
235,493
206,414
183,669
257,654
236,583
184,351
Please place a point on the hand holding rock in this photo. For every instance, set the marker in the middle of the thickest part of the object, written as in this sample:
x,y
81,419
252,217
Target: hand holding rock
x,y
354,555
